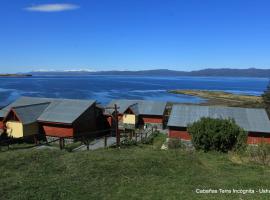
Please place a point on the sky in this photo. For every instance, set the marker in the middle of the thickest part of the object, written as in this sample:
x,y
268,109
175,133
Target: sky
x,y
133,34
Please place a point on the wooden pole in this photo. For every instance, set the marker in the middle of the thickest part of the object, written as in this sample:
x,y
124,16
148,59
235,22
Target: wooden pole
x,y
63,142
88,144
35,140
136,139
116,126
60,143
105,141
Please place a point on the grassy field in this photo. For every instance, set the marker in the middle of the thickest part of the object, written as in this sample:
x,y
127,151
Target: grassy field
x,y
223,98
141,172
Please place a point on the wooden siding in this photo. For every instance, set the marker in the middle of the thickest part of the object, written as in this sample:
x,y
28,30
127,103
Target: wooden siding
x,y
87,122
256,138
179,133
1,124
14,129
129,119
57,130
30,129
253,138
109,120
152,119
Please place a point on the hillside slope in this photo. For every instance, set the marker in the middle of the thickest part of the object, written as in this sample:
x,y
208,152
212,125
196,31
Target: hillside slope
x,y
135,173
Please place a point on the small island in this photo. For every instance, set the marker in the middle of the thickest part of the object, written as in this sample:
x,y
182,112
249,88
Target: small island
x,y
15,75
223,98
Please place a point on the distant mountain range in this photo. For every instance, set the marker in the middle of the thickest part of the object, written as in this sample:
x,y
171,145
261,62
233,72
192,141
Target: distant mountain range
x,y
250,72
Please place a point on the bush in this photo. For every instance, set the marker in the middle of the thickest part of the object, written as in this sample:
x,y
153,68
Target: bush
x,y
266,99
217,134
260,154
150,139
174,143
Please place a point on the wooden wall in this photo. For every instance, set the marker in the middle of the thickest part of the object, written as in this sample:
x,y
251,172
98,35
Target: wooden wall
x,y
151,119
1,123
253,137
58,130
180,133
87,122
256,138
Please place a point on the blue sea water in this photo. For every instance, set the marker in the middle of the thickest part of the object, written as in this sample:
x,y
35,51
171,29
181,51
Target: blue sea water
x,y
105,88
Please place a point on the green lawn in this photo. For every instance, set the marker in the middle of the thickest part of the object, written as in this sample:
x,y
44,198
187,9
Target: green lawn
x,y
142,172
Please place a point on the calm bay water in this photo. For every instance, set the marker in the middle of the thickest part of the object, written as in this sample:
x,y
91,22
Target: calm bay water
x,y
105,88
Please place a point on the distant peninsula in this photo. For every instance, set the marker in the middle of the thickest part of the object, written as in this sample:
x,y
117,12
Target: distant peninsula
x,y
15,75
224,72
223,98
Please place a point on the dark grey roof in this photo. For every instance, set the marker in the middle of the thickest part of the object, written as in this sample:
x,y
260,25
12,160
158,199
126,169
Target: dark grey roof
x,y
65,110
23,101
58,110
30,113
253,120
139,107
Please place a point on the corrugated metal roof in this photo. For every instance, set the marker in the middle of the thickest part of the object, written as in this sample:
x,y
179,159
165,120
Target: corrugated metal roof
x,y
30,113
253,120
140,107
65,110
23,101
58,110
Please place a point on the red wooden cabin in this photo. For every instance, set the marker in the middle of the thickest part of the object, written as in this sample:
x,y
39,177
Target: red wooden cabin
x,y
254,121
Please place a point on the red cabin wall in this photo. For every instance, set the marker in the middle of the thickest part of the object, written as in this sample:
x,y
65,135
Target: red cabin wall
x,y
109,120
179,133
253,138
256,138
58,131
152,119
1,124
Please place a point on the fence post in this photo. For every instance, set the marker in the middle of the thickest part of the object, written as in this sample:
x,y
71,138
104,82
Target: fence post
x,y
146,134
136,136
130,135
105,141
60,143
141,133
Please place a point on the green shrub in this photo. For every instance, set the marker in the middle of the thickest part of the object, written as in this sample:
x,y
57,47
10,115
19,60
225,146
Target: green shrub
x,y
150,139
260,153
174,143
217,134
266,99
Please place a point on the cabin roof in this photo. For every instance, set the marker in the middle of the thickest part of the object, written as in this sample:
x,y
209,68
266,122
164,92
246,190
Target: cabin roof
x,y
23,101
57,110
30,113
139,107
250,119
65,110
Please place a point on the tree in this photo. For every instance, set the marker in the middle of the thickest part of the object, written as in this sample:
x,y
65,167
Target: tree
x,y
217,134
266,98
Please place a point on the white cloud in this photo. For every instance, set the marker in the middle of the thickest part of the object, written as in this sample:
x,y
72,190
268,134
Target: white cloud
x,y
57,7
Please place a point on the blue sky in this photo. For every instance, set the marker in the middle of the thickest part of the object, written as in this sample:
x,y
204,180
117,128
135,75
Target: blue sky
x,y
133,34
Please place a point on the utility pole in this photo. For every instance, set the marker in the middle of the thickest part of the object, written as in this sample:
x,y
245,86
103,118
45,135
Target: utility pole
x,y
115,119
116,126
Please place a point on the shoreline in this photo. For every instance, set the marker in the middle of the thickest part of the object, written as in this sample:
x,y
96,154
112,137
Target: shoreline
x,y
16,75
223,98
